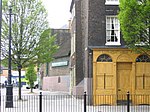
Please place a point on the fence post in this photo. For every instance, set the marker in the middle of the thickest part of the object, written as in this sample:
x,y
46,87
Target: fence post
x,y
40,102
84,101
128,101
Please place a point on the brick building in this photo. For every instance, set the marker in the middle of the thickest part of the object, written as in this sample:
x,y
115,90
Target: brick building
x,y
56,75
101,62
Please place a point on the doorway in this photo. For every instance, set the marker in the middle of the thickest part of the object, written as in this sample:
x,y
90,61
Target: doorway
x,y
123,80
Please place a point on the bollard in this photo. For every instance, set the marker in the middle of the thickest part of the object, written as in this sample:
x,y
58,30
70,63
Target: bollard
x,y
84,101
128,101
40,102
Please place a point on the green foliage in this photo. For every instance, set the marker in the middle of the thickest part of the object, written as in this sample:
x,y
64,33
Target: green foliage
x,y
32,41
134,18
31,76
46,47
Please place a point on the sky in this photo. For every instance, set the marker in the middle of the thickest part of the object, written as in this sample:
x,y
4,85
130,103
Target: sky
x,y
58,12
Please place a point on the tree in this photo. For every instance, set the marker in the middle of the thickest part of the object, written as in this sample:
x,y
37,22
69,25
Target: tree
x,y
134,18
31,76
32,41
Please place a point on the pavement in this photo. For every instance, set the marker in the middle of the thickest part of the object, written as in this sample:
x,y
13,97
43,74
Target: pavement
x,y
25,91
51,101
57,102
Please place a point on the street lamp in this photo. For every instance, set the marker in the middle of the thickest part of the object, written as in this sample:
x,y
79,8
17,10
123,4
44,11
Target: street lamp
x,y
0,36
9,87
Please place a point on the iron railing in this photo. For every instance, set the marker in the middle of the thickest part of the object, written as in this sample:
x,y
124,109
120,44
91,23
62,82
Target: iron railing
x,y
78,103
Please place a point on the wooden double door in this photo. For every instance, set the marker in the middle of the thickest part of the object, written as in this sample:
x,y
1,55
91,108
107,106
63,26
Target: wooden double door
x,y
124,79
118,79
108,79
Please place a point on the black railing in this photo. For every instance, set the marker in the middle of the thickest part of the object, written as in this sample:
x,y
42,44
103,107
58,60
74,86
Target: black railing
x,y
128,102
40,102
82,103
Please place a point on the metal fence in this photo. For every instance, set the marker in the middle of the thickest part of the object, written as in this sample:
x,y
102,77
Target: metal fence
x,y
82,103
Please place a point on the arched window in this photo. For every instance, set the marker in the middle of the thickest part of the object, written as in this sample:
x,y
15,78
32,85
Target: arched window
x,y
143,58
104,58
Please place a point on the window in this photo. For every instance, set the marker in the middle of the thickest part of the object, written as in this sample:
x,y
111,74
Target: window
x,y
112,30
73,11
104,58
143,58
112,2
73,46
59,79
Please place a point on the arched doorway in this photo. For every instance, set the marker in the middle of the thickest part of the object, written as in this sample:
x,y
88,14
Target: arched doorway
x,y
103,80
142,80
142,76
124,80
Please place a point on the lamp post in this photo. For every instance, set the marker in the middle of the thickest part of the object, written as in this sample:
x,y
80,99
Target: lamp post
x,y
9,87
19,70
0,36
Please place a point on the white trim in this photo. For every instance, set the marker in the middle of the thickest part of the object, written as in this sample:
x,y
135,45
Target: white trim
x,y
118,31
113,43
112,2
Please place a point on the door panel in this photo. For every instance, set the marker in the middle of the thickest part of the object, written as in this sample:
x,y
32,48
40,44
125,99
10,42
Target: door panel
x,y
104,83
142,83
123,79
142,76
104,77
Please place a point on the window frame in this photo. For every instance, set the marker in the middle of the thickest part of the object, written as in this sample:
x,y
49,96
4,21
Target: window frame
x,y
118,31
104,58
108,2
143,58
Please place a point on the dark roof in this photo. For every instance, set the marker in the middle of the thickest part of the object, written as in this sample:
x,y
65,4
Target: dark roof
x,y
103,47
63,39
62,35
64,49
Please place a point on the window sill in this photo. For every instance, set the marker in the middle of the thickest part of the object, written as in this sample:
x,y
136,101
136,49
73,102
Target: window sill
x,y
112,3
113,43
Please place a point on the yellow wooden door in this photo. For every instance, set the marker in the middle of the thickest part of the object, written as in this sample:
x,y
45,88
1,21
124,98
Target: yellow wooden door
x,y
142,76
104,83
142,83
123,79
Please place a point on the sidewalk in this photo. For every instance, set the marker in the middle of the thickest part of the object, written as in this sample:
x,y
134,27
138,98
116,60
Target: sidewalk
x,y
59,102
50,102
25,91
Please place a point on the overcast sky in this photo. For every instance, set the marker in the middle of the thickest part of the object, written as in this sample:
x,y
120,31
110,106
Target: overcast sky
x,y
58,12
